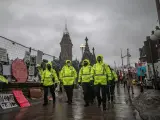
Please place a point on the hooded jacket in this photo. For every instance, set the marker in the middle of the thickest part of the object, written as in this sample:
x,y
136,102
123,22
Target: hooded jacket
x,y
101,72
48,76
85,72
115,75
40,72
3,79
68,74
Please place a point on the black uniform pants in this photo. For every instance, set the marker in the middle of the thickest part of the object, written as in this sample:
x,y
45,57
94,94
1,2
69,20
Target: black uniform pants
x,y
87,92
125,83
110,90
98,90
92,94
52,90
69,92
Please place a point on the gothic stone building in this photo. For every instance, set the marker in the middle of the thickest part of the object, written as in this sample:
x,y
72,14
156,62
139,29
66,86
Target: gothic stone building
x,y
87,54
66,47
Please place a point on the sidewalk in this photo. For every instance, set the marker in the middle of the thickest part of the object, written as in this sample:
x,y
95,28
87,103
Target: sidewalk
x,y
148,105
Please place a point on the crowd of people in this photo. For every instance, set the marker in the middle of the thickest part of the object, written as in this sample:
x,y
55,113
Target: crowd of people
x,y
98,81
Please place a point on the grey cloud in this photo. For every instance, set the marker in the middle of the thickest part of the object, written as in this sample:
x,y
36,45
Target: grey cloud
x,y
109,24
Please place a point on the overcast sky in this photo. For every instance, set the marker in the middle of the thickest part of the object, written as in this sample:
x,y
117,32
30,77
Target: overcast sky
x,y
108,24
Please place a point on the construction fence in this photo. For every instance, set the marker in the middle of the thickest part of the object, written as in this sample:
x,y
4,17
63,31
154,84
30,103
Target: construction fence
x,y
17,50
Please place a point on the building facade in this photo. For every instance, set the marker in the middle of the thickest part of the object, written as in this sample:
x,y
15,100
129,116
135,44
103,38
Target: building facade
x,y
150,51
66,47
87,54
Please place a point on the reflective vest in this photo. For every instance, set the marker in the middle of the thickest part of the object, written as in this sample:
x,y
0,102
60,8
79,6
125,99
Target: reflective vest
x,y
114,76
101,74
85,74
49,77
68,75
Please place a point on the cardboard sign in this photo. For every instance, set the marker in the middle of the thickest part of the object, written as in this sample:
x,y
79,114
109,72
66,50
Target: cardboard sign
x,y
7,101
33,60
3,55
22,101
39,57
27,57
19,70
31,70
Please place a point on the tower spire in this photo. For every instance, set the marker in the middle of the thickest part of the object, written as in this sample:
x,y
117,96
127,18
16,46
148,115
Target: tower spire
x,y
65,29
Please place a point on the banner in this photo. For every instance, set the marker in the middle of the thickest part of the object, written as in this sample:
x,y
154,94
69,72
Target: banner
x,y
23,102
19,70
3,55
7,101
31,70
27,57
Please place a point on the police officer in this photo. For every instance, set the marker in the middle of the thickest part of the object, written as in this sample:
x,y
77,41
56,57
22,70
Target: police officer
x,y
49,78
39,72
115,79
86,79
68,76
101,73
111,85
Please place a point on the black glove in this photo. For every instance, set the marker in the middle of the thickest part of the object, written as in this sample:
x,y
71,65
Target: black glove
x,y
41,84
55,85
109,82
53,79
79,83
91,82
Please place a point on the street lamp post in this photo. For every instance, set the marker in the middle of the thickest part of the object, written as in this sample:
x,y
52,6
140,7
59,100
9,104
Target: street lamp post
x,y
82,48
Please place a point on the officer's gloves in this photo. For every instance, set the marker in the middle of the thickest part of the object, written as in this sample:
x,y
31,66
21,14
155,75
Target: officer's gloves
x,y
91,82
79,83
55,85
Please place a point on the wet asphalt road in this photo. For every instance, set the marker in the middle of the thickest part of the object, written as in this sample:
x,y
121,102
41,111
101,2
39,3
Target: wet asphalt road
x,y
122,109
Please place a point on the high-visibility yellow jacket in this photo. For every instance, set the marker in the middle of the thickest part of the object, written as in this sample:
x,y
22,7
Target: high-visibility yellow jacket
x,y
85,73
49,77
114,76
68,74
101,72
3,79
40,70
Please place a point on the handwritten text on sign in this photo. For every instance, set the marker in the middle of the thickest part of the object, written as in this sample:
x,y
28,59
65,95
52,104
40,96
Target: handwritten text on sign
x,y
7,101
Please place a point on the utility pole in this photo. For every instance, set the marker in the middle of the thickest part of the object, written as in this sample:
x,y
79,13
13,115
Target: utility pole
x,y
122,58
128,58
115,67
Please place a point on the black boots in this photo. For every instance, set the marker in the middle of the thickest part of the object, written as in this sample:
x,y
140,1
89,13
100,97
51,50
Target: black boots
x,y
44,104
99,104
86,105
112,98
104,107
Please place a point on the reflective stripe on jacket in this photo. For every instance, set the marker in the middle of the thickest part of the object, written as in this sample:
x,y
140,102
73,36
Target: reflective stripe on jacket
x,y
49,77
68,75
101,73
85,73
